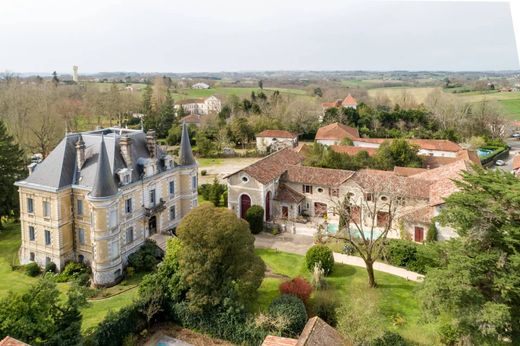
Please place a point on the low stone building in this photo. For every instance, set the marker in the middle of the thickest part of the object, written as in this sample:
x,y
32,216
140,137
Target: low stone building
x,y
99,195
291,192
209,105
273,140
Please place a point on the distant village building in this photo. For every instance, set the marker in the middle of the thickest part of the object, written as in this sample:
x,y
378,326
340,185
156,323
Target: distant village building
x,y
192,119
99,195
347,102
200,106
273,140
334,133
200,86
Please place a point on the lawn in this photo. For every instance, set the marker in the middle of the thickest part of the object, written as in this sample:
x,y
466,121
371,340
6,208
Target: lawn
x,y
396,296
18,281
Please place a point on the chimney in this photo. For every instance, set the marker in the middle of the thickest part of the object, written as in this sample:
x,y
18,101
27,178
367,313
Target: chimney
x,y
151,143
126,149
80,152
31,167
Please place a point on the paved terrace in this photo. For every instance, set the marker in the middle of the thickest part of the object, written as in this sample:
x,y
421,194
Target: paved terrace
x,y
299,244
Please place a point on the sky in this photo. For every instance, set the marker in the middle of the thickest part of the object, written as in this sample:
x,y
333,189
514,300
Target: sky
x,y
237,35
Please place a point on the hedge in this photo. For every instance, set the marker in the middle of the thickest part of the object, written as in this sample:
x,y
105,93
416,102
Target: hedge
x,y
255,217
293,309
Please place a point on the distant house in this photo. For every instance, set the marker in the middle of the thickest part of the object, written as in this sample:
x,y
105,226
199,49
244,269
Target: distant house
x,y
516,165
347,102
9,341
273,140
192,119
334,133
200,106
200,86
432,147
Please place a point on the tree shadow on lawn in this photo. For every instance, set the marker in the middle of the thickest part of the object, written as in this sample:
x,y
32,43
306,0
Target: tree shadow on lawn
x,y
341,270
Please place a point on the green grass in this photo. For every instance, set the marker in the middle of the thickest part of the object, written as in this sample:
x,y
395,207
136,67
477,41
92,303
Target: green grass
x,y
98,309
204,162
18,281
396,296
512,108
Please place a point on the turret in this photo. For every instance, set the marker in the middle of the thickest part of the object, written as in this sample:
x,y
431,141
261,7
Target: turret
x,y
104,184
185,152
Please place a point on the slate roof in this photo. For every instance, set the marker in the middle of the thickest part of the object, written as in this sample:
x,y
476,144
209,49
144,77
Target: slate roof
x,y
276,134
104,183
185,152
337,131
60,169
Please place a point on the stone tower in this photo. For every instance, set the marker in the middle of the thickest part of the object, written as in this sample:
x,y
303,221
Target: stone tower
x,y
75,75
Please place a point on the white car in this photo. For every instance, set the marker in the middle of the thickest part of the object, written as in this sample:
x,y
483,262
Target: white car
x,y
500,163
516,135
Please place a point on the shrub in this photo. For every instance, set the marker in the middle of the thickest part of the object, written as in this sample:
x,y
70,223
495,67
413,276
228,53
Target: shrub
x,y
401,252
83,279
325,307
298,287
130,271
293,309
146,258
414,257
255,217
50,267
389,339
32,269
203,172
320,254
431,235
72,271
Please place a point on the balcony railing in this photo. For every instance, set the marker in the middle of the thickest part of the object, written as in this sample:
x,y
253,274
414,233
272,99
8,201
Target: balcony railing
x,y
157,208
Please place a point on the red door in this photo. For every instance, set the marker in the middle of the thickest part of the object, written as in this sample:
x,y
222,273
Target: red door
x,y
245,204
268,206
419,234
285,212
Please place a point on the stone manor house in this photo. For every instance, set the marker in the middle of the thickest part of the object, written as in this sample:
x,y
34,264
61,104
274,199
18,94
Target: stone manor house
x,y
302,197
99,195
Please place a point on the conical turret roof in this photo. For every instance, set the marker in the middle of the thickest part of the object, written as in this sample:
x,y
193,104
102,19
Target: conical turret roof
x,y
104,184
185,153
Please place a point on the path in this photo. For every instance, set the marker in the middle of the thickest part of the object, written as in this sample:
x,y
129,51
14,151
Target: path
x,y
298,244
227,166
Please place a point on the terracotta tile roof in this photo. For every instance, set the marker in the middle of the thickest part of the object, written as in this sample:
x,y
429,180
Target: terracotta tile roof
x,y
331,104
276,133
431,162
426,144
388,181
301,148
469,155
9,341
422,215
436,144
191,119
272,166
516,161
316,176
272,340
318,332
442,180
349,101
407,171
286,194
352,150
337,131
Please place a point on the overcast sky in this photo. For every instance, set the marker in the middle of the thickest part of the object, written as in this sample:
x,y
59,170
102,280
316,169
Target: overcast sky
x,y
217,35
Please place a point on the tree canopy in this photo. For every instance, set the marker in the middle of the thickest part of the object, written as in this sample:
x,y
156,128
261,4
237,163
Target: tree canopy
x,y
479,285
217,259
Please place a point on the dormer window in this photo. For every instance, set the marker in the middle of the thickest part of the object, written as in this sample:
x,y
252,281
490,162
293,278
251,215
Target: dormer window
x,y
125,176
168,162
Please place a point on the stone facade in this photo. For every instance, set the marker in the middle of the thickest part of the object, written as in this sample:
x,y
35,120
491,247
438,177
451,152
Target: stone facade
x,y
74,219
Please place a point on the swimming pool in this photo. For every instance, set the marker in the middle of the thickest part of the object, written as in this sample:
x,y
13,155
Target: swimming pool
x,y
483,152
332,228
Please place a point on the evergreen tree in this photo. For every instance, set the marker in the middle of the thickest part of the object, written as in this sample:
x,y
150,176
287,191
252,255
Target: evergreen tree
x,y
167,116
147,100
12,168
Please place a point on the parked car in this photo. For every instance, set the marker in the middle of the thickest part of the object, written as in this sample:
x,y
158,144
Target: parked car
x,y
516,135
500,163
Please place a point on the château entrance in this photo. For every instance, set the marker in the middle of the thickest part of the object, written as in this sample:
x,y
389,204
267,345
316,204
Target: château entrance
x,y
152,225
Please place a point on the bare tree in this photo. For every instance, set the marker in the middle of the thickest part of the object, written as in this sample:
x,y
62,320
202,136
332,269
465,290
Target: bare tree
x,y
366,217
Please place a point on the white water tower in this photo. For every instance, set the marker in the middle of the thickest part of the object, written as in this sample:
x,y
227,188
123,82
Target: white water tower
x,y
75,76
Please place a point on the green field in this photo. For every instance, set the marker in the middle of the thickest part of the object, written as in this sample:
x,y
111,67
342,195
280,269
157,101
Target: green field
x,y
395,296
18,281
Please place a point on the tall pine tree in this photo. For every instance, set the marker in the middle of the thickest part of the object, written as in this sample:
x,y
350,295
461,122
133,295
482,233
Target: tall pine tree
x,y
12,168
